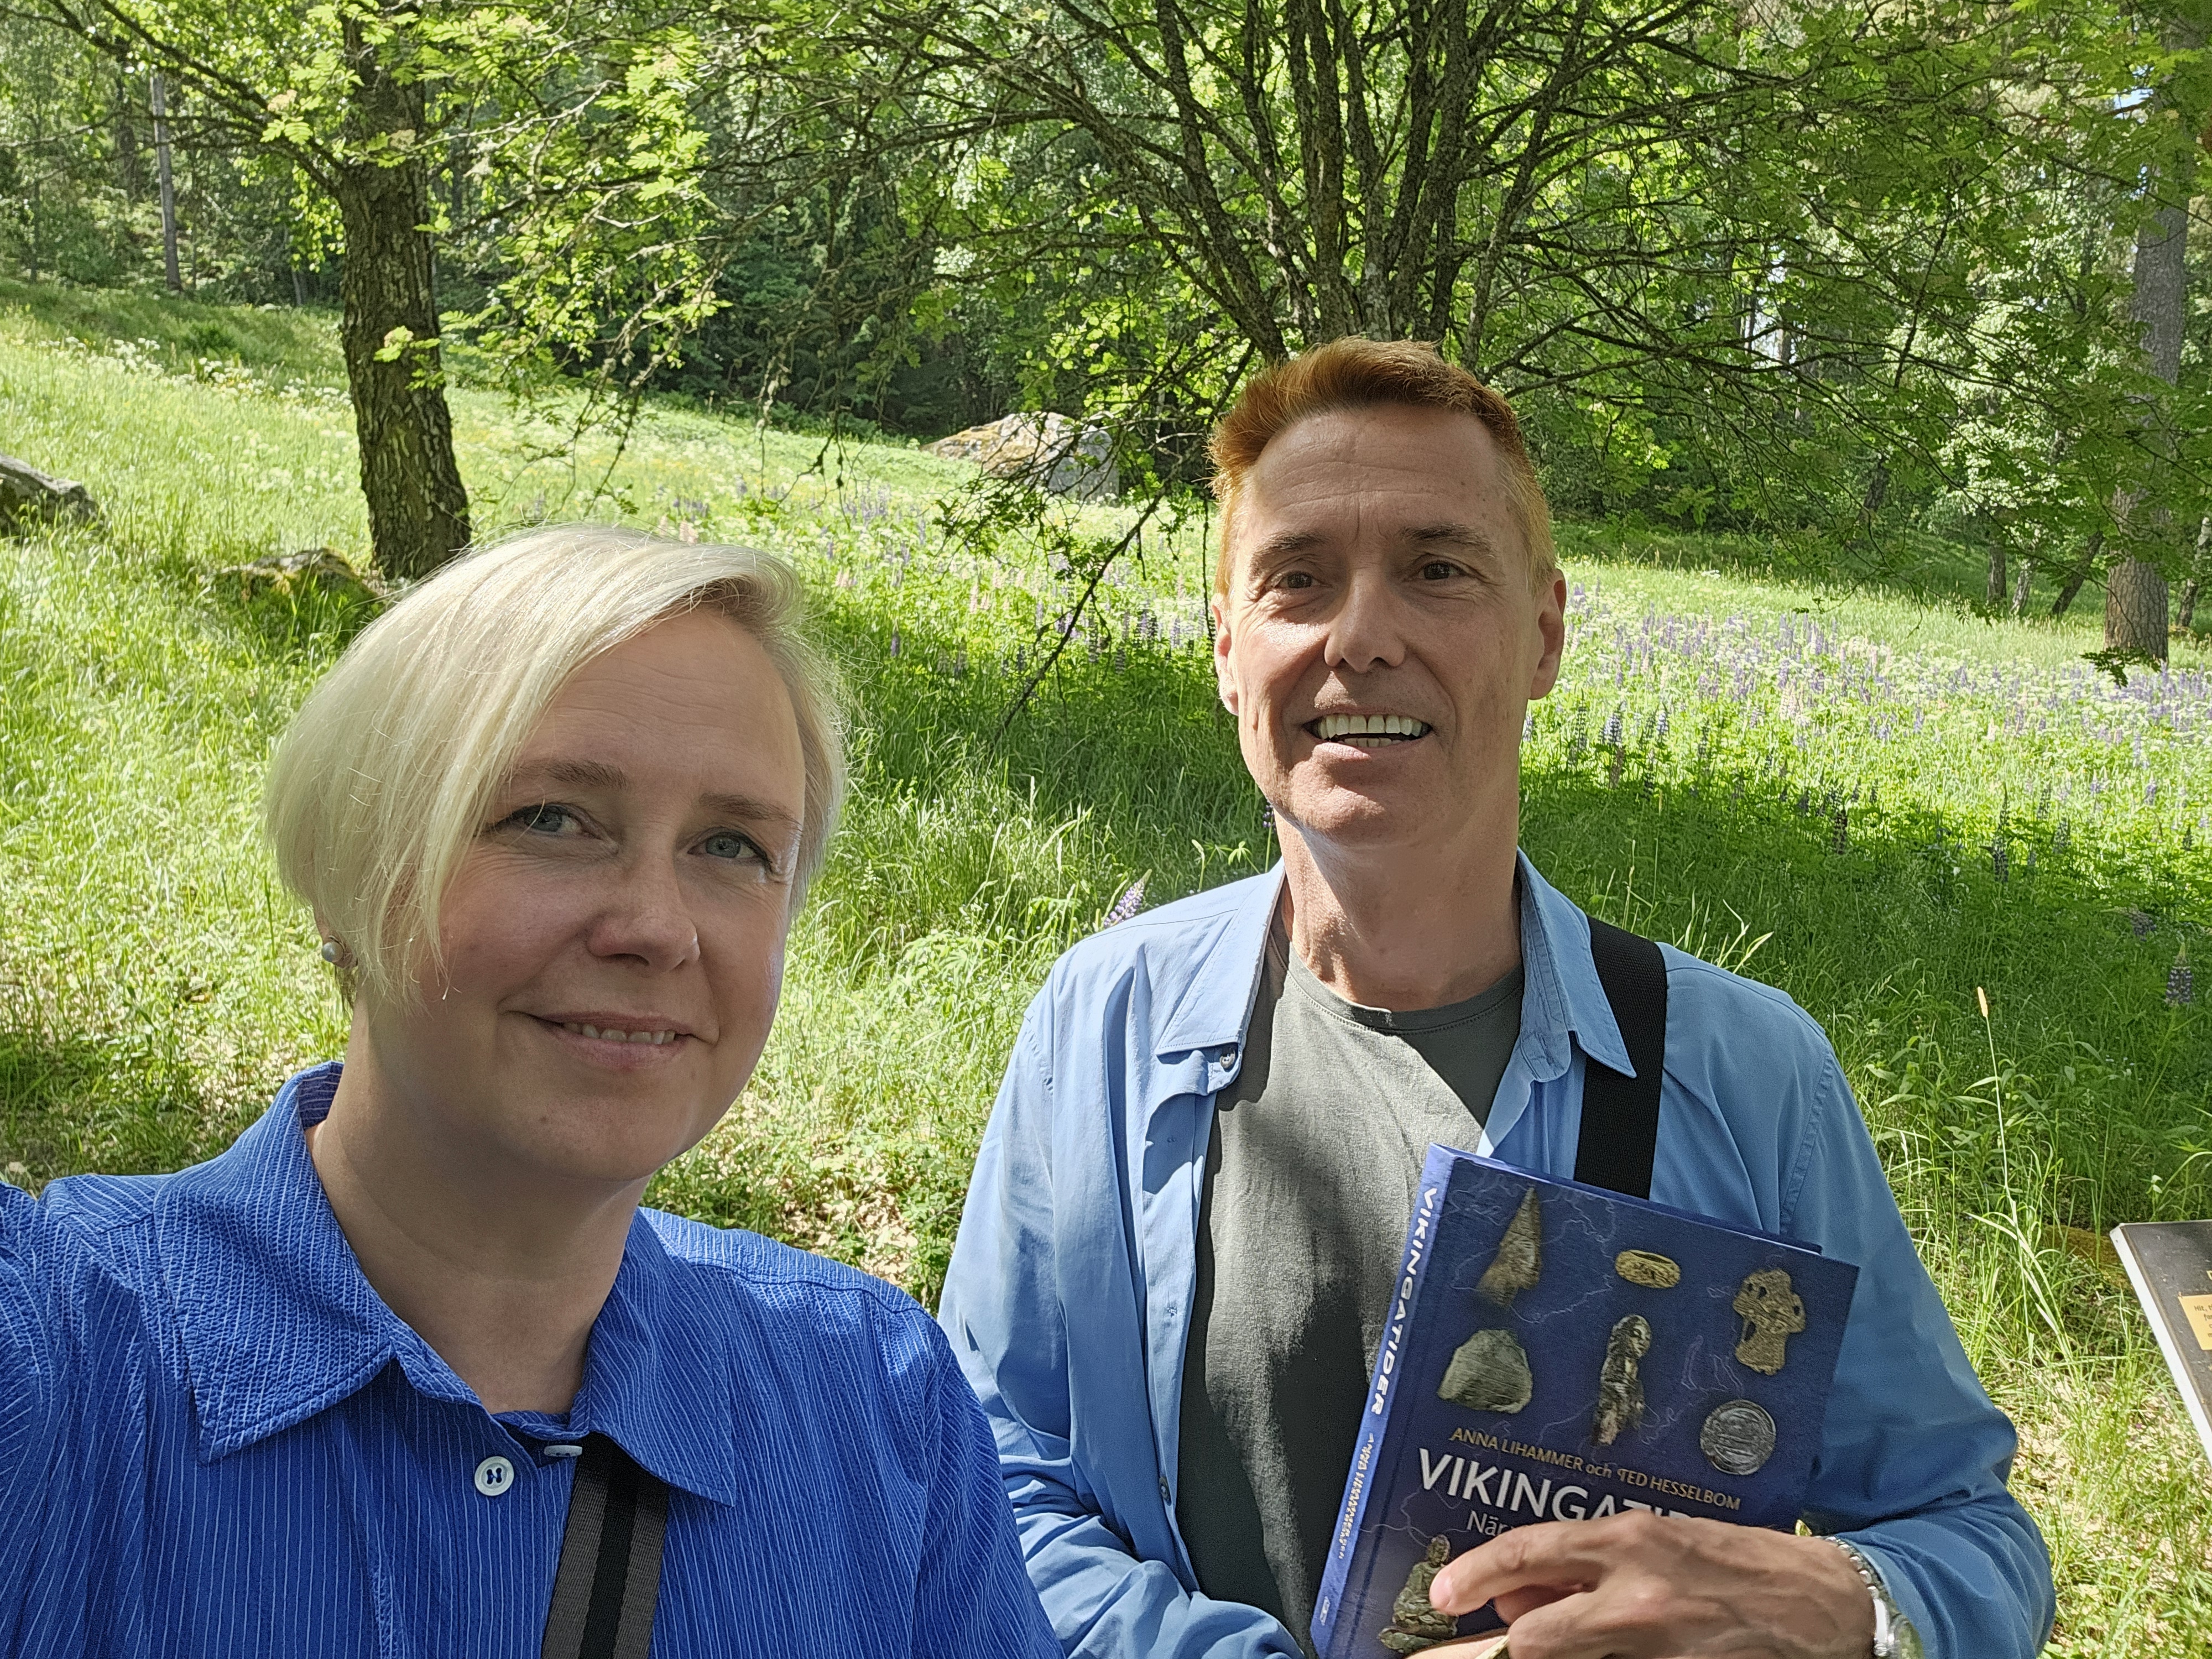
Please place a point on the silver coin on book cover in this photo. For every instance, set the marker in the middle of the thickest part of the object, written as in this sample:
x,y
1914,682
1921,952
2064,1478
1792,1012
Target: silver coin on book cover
x,y
1738,1437
1489,1373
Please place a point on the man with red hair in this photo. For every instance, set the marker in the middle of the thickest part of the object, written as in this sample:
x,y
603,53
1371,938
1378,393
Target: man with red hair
x,y
1171,1281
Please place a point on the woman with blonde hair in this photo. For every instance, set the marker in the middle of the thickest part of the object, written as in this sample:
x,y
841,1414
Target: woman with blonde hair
x,y
408,1370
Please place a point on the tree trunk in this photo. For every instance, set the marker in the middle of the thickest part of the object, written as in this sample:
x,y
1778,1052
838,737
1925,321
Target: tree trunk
x,y
129,166
2020,585
2134,608
2134,588
1994,595
161,105
2186,618
2077,575
419,509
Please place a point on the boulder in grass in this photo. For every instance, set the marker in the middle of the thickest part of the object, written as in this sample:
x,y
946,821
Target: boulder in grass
x,y
1048,450
29,497
294,575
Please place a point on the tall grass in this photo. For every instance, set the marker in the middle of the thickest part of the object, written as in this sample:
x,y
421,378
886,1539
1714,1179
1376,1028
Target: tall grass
x,y
1881,806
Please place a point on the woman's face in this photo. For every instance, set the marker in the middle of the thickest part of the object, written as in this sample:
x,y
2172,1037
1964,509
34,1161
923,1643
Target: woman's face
x,y
614,938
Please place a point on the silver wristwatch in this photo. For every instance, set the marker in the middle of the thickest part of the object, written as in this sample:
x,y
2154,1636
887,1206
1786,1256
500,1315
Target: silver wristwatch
x,y
1893,1635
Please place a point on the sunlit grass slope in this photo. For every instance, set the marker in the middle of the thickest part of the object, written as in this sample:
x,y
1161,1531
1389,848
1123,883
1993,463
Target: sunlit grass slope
x,y
1877,805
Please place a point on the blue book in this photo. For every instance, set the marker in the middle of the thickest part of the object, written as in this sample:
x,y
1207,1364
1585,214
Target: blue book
x,y
1556,1351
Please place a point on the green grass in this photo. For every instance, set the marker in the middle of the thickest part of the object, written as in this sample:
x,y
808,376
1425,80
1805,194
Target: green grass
x,y
155,984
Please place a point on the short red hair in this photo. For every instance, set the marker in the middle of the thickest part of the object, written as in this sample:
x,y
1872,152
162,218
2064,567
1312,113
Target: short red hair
x,y
1356,372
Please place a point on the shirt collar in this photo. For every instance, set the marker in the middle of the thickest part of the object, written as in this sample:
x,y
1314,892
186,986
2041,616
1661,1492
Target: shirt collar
x,y
278,1323
1562,1002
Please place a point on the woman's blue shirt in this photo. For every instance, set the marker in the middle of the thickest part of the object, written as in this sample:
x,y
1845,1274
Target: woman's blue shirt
x,y
215,1439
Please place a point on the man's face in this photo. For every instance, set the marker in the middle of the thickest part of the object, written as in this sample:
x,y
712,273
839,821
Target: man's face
x,y
614,938
1381,640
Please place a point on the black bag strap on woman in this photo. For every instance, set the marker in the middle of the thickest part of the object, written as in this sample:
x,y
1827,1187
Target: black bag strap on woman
x,y
1620,1114
610,1575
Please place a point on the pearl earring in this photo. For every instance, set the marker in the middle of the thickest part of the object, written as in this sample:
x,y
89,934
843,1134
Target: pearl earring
x,y
331,952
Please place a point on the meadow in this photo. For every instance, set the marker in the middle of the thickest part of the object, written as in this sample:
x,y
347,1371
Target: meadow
x,y
1879,801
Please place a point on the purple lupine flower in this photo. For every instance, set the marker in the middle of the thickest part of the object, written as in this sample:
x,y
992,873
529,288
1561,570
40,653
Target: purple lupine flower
x,y
2142,921
894,640
2180,984
1131,902
2000,858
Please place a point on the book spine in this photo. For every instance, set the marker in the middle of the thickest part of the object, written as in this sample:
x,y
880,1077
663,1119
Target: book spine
x,y
1375,1454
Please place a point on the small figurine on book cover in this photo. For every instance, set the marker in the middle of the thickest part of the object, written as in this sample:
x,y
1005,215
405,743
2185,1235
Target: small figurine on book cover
x,y
1555,1352
2170,1265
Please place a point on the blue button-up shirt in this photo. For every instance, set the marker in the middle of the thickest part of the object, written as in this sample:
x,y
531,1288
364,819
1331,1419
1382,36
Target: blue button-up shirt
x,y
1068,1301
215,1439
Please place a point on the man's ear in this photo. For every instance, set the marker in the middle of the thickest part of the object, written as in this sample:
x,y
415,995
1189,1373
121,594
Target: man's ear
x,y
1551,630
1224,681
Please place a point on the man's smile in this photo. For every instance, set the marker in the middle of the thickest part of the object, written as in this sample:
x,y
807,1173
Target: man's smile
x,y
1367,731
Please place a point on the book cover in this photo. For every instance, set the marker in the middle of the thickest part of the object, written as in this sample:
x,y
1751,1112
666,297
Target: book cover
x,y
2170,1265
1554,1353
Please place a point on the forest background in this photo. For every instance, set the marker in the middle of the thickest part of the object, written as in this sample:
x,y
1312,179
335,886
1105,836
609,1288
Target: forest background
x,y
1862,347
1854,275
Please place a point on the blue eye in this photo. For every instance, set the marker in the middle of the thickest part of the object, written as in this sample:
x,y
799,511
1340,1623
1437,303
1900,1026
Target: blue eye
x,y
728,844
545,818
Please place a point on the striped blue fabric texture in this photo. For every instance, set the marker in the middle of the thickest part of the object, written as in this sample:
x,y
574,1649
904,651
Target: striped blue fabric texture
x,y
215,1440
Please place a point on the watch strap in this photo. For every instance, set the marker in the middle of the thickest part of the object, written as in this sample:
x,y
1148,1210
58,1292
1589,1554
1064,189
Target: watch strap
x,y
1894,1637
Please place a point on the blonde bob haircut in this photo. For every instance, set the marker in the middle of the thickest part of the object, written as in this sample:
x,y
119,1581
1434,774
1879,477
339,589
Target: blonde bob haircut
x,y
383,779
1356,373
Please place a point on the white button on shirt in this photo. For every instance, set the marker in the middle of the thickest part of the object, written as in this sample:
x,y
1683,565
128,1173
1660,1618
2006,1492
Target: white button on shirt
x,y
494,1476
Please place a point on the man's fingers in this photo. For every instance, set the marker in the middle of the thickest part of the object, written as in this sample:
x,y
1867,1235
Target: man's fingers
x,y
1585,1626
1512,1604
1563,1556
1482,1647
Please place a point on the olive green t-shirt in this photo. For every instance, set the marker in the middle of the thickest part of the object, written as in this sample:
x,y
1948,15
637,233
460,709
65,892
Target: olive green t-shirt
x,y
1310,1175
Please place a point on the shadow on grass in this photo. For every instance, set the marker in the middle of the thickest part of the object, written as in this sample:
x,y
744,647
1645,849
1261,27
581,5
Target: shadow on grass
x,y
1882,925
296,343
123,1106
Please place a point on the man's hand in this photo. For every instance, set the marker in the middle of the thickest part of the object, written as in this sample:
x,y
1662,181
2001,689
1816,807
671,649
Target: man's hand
x,y
1642,1586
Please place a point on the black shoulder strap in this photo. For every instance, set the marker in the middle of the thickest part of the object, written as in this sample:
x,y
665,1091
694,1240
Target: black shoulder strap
x,y
610,1575
1620,1114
